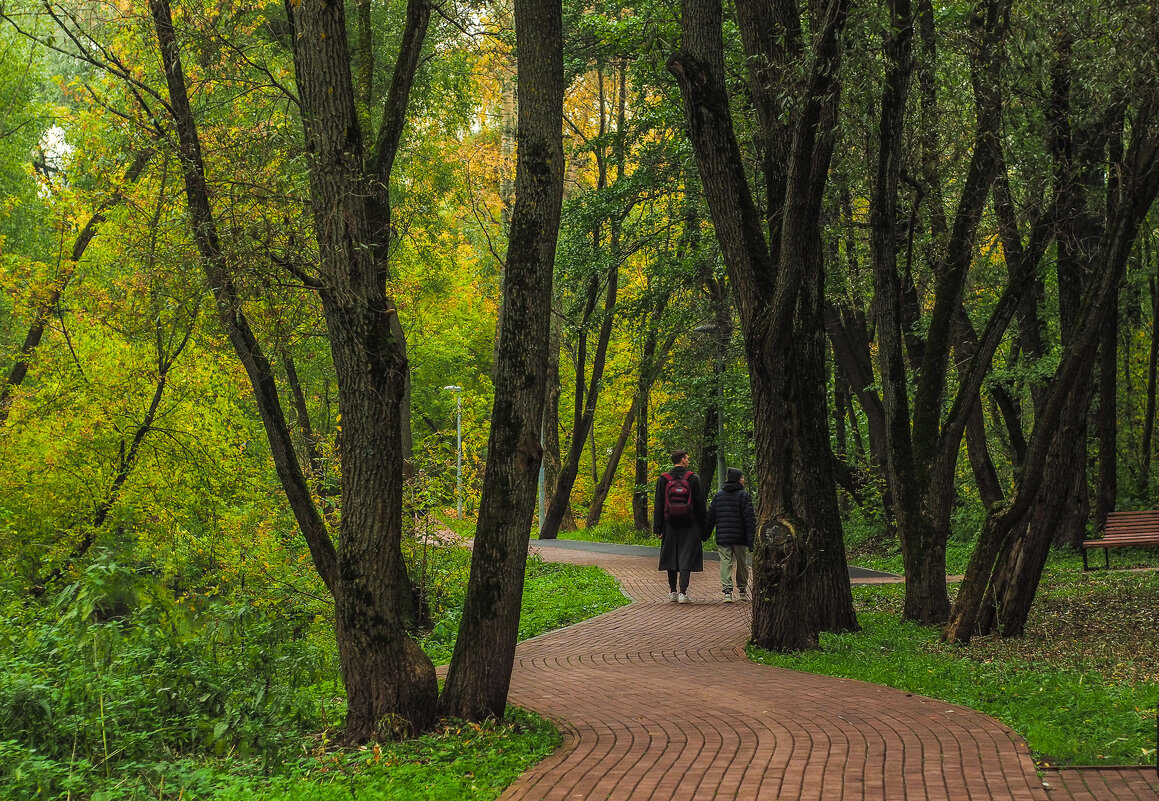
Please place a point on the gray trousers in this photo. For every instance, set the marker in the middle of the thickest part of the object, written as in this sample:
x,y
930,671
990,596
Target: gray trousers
x,y
733,556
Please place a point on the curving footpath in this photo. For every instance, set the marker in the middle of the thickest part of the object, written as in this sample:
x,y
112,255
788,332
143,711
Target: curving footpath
x,y
657,700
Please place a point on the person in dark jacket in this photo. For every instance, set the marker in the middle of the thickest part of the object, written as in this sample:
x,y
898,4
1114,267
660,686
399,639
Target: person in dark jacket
x,y
680,525
735,521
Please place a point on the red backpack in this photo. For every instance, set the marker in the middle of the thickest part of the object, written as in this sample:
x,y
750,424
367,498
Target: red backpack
x,y
678,498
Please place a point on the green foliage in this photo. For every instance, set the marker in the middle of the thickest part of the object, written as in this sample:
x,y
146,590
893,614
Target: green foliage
x,y
1080,686
118,679
460,760
122,688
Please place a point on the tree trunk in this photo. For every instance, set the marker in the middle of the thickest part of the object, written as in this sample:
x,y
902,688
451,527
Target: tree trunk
x,y
480,673
800,575
1152,369
561,497
551,455
922,453
390,682
1108,489
641,503
650,363
1070,387
977,446
1019,567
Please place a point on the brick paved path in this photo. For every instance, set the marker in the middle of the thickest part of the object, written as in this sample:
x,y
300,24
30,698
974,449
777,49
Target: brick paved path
x,y
657,701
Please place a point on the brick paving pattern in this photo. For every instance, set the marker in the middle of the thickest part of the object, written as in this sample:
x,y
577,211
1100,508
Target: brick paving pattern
x,y
657,700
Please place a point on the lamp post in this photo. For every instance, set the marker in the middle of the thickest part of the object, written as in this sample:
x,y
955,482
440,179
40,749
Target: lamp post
x,y
458,450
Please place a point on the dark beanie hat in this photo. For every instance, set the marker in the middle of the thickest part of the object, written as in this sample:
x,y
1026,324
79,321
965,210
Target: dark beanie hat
x,y
733,476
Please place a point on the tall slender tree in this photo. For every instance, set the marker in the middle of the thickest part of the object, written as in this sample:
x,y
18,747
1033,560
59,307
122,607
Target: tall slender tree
x,y
480,672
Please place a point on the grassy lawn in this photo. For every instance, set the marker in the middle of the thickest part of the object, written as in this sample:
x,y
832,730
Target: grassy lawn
x,y
619,533
1081,686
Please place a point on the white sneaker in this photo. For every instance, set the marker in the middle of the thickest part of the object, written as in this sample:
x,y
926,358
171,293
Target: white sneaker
x,y
728,597
672,597
744,596
682,599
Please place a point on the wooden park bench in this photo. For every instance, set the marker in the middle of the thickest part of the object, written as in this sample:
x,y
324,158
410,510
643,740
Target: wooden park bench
x,y
1125,530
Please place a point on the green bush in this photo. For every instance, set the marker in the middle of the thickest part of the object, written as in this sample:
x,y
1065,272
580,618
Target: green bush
x,y
121,689
114,681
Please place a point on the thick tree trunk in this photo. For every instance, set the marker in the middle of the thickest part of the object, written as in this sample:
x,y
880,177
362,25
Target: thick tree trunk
x,y
814,484
800,585
1019,567
922,453
390,682
926,599
480,673
782,585
1070,387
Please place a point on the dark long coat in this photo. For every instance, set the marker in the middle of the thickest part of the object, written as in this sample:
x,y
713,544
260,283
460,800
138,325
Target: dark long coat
x,y
681,543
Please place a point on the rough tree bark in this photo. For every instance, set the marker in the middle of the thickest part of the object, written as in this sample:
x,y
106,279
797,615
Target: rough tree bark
x,y
923,445
799,561
480,672
1006,565
390,682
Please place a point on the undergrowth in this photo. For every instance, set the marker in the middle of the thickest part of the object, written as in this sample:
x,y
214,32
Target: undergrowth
x,y
123,688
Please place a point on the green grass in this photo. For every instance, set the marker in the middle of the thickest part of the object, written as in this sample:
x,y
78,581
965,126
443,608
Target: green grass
x,y
619,533
459,761
1081,686
554,595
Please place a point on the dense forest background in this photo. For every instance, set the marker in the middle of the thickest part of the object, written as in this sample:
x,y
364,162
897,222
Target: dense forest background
x,y
903,252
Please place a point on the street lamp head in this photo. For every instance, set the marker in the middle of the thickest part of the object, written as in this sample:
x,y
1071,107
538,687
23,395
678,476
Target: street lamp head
x,y
454,388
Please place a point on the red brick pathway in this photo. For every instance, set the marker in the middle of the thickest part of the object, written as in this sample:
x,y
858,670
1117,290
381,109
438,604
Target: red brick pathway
x,y
657,701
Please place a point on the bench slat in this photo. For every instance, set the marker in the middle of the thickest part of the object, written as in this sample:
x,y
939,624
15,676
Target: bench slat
x,y
1126,530
1105,543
